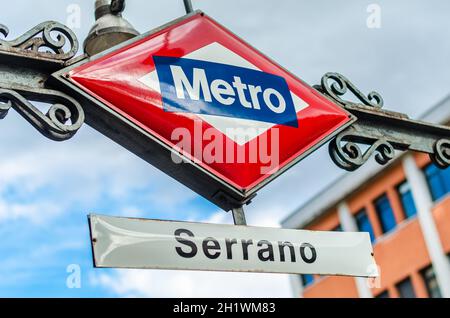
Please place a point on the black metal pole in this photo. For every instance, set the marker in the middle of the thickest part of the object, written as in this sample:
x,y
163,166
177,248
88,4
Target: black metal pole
x,y
239,216
188,6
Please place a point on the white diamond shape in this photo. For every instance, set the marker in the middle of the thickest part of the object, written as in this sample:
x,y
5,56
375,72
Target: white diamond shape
x,y
239,130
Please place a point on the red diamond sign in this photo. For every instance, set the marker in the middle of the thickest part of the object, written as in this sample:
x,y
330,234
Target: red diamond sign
x,y
205,107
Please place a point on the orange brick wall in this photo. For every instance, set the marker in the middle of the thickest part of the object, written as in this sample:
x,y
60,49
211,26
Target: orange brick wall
x,y
441,215
401,253
332,287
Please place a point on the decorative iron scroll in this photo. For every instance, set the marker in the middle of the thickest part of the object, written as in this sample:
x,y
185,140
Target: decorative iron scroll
x,y
340,86
346,153
27,83
381,131
50,40
62,120
441,156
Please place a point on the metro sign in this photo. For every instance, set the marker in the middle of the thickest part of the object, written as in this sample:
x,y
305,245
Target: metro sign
x,y
205,107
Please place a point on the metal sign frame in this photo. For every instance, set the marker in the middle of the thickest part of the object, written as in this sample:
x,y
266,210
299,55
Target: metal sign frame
x,y
154,151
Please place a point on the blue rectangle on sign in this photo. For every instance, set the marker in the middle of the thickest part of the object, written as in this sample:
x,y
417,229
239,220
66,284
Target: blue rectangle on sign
x,y
209,88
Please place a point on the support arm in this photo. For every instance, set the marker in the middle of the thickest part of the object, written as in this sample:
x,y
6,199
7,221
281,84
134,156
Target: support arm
x,y
382,131
25,65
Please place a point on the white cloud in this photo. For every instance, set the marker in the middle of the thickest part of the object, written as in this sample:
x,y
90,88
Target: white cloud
x,y
157,283
37,213
49,178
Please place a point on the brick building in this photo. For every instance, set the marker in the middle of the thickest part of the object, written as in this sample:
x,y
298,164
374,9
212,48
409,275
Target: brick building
x,y
405,206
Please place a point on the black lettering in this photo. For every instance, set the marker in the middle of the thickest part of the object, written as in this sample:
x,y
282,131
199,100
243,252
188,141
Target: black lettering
x,y
281,246
186,242
313,257
214,247
245,244
268,249
229,244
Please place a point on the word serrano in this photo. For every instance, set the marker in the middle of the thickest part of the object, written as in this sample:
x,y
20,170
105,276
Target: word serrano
x,y
265,250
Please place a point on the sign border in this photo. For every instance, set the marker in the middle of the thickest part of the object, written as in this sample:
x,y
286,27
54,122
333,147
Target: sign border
x,y
142,143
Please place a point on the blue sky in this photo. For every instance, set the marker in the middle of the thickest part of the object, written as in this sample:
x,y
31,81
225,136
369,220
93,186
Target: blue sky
x,y
48,188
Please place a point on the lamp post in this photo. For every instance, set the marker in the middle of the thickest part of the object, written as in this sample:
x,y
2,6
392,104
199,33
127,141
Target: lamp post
x,y
110,27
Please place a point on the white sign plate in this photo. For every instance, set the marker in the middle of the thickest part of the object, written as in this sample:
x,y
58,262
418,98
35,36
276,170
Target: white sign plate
x,y
138,243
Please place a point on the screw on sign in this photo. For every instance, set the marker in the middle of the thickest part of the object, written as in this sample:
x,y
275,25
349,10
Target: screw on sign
x,y
205,107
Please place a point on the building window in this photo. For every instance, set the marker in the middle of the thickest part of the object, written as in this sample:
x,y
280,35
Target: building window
x,y
405,289
429,278
363,223
384,294
438,181
307,279
385,213
405,194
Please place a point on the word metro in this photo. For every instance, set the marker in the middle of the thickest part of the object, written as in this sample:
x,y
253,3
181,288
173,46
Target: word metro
x,y
210,88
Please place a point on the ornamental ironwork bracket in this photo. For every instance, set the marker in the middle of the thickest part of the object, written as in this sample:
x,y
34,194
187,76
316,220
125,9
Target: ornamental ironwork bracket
x,y
381,131
25,65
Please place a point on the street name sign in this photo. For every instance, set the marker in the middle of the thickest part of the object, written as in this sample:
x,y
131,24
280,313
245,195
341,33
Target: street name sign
x,y
141,243
204,107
